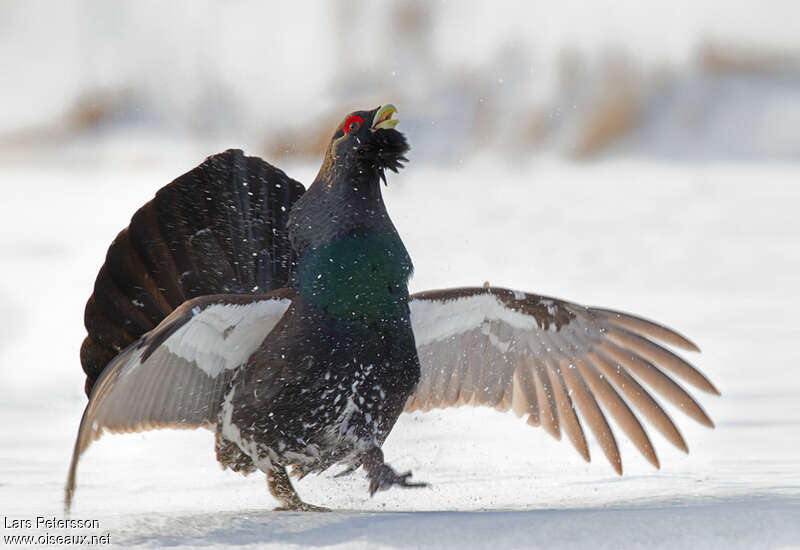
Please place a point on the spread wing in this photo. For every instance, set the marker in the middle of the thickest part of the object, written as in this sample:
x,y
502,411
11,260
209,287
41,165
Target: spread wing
x,y
175,376
560,363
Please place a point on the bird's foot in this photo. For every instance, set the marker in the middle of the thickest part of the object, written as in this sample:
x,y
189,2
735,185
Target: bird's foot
x,y
382,477
300,506
281,488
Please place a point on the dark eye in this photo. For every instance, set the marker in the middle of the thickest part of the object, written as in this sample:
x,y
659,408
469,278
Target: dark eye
x,y
352,123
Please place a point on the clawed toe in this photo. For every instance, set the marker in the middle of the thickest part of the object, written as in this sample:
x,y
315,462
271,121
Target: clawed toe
x,y
402,481
301,507
281,488
385,478
347,471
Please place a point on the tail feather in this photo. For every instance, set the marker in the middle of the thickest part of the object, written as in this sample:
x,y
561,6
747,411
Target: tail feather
x,y
219,228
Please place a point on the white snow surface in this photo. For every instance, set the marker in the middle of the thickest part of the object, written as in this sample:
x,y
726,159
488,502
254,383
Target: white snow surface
x,y
710,250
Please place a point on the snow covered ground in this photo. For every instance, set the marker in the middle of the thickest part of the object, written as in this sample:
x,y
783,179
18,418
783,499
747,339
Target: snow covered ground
x,y
711,250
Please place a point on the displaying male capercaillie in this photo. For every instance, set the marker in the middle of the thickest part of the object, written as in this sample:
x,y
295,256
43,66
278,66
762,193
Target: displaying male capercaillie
x,y
281,320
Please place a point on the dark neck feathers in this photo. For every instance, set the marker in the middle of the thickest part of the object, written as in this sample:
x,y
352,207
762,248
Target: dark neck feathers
x,y
333,208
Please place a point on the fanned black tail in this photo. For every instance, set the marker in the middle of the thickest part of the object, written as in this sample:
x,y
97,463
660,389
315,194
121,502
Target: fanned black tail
x,y
219,228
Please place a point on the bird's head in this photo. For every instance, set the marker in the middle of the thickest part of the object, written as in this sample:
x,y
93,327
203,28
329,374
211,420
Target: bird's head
x,y
345,198
366,144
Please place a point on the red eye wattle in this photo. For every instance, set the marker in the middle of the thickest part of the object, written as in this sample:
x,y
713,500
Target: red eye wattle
x,y
353,123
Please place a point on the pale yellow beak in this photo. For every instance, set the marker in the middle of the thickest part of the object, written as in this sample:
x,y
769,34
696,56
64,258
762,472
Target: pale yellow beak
x,y
383,118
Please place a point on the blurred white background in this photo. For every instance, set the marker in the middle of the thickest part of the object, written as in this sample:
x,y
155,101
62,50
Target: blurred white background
x,y
643,156
680,79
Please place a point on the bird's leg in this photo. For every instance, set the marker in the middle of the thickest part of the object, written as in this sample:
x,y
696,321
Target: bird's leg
x,y
381,475
281,488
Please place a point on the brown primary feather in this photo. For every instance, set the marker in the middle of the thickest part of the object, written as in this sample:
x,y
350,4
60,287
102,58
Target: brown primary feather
x,y
525,400
660,356
452,383
474,387
618,409
567,352
611,400
548,409
640,397
590,410
644,327
659,381
498,381
568,420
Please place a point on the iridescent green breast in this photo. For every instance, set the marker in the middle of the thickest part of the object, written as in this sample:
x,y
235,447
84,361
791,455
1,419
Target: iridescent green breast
x,y
363,278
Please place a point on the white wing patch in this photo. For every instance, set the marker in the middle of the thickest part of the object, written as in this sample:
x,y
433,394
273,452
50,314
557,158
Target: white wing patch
x,y
223,336
434,320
